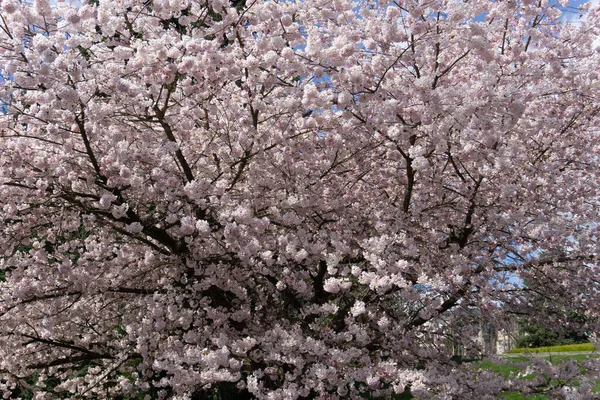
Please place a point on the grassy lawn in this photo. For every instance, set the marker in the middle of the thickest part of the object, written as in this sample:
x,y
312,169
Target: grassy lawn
x,y
553,358
519,396
517,364
555,349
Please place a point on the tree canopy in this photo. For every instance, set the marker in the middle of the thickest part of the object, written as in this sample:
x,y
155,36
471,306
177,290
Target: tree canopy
x,y
293,199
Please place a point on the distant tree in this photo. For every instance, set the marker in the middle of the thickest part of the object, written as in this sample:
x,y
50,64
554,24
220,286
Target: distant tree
x,y
532,335
538,330
290,200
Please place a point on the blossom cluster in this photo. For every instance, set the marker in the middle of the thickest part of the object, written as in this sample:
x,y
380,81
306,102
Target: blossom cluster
x,y
309,199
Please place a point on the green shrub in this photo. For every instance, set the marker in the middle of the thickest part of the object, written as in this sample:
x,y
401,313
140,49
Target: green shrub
x,y
532,335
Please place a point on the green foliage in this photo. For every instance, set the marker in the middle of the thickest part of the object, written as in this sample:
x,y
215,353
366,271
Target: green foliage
x,y
536,336
533,335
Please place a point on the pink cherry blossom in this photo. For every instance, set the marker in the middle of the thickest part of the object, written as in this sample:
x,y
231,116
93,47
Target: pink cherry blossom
x,y
314,199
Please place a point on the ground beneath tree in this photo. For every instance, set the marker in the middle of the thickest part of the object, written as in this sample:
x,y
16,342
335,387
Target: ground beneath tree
x,y
547,354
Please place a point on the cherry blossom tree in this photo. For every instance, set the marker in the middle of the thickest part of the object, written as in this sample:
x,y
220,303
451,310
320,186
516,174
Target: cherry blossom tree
x,y
294,200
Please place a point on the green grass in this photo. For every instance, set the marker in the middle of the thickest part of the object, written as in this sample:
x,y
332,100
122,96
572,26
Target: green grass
x,y
555,349
504,369
518,364
514,365
554,358
519,396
